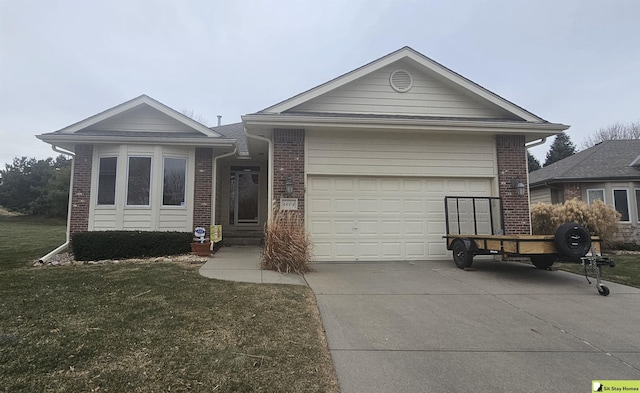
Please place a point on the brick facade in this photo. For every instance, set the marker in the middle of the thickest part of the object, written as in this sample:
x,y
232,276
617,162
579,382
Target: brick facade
x,y
288,161
512,163
203,188
81,189
572,191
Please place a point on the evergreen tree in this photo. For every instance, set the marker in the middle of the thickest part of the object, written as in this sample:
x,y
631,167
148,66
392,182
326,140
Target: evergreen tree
x,y
562,147
36,186
534,164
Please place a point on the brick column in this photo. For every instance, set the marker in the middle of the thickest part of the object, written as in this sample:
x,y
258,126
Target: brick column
x,y
288,161
572,191
203,188
81,189
512,163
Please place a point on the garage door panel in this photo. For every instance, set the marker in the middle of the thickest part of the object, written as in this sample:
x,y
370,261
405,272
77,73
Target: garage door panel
x,y
344,227
392,250
415,249
367,185
415,206
368,206
345,206
320,205
320,228
368,227
367,218
414,228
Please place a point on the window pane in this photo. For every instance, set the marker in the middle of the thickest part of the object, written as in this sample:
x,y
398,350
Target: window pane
x,y
592,195
107,181
620,200
175,170
139,181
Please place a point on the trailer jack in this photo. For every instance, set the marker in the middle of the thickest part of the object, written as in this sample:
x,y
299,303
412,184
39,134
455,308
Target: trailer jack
x,y
596,263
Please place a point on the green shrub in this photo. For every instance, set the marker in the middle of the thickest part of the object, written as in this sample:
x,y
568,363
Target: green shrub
x,y
287,247
98,245
600,219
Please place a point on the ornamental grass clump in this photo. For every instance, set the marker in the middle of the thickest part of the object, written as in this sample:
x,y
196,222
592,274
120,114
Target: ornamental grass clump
x,y
600,219
287,248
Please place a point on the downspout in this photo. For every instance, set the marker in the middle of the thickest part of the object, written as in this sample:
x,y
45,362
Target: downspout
x,y
270,176
536,143
215,183
65,245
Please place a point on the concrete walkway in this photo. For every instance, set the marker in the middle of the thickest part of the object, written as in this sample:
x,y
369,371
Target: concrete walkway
x,y
242,264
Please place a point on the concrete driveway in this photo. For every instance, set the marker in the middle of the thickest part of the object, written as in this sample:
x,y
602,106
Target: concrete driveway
x,y
505,327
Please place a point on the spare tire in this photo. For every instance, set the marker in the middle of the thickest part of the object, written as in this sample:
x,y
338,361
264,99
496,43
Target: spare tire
x,y
572,240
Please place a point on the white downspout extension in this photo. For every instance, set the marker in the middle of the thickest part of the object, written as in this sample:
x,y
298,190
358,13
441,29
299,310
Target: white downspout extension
x,y
536,143
270,173
215,184
63,246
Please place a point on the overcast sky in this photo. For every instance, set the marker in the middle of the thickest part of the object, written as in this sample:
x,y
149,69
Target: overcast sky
x,y
575,62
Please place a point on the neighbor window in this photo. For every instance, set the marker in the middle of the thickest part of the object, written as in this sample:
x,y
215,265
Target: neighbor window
x,y
173,186
592,195
107,181
139,181
621,203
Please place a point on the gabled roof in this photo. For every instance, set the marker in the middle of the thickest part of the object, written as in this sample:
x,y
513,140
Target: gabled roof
x,y
153,122
234,131
428,64
608,160
132,104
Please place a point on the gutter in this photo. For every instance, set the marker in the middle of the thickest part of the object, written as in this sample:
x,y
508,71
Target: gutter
x,y
215,183
64,245
270,176
275,120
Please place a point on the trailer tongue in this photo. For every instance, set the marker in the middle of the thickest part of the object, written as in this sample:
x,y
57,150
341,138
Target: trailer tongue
x,y
475,227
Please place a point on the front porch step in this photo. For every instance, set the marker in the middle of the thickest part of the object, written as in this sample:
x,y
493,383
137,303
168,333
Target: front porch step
x,y
242,238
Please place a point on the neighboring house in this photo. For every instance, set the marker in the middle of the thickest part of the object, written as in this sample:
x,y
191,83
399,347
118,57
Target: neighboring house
x,y
366,159
609,171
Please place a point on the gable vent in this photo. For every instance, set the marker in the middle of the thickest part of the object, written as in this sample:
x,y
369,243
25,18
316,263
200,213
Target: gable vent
x,y
401,81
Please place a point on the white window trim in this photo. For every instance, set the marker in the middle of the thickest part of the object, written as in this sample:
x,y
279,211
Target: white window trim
x,y
635,194
186,182
604,196
115,196
126,191
613,195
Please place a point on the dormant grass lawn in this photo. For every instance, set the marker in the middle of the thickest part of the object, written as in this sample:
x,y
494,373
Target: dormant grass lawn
x,y
626,271
148,327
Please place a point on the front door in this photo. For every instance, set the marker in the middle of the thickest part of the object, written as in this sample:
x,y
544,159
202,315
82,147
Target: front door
x,y
244,195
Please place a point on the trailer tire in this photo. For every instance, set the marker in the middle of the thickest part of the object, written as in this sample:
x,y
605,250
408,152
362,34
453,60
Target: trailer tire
x,y
543,262
461,255
572,240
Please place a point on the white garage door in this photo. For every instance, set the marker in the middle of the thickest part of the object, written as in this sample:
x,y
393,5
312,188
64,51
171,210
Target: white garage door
x,y
369,218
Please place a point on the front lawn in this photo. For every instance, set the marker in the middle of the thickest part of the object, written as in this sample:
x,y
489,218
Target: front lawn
x,y
151,327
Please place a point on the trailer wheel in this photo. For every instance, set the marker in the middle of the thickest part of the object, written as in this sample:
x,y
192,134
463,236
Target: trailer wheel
x,y
572,240
543,262
604,291
461,256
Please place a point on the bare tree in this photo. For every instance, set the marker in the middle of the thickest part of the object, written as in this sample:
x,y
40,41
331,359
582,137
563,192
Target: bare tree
x,y
614,131
195,116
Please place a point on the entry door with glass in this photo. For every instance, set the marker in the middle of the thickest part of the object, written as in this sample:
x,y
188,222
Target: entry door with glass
x,y
244,195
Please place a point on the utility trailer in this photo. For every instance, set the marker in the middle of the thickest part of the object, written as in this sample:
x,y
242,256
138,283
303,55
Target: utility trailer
x,y
475,226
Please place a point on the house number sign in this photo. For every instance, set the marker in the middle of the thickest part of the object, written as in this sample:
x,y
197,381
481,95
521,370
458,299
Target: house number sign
x,y
288,203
